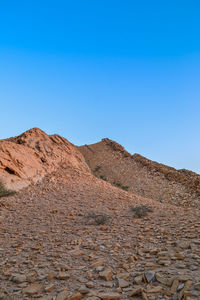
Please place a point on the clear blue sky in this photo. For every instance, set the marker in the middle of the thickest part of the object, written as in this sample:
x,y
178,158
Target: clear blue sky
x,y
128,70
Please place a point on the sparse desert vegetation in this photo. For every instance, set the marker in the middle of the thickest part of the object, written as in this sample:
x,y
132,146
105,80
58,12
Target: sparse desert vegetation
x,y
121,186
97,218
141,210
5,192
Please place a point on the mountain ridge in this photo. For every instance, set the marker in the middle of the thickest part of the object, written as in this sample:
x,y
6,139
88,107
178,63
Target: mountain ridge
x,y
143,176
27,158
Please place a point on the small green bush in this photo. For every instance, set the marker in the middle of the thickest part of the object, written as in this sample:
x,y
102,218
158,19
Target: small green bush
x,y
123,187
141,210
4,192
103,177
97,169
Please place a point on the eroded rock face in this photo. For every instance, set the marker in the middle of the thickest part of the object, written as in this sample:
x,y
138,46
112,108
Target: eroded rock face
x,y
137,174
29,157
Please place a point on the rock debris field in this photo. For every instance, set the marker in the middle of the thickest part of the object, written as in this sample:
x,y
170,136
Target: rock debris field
x,y
74,236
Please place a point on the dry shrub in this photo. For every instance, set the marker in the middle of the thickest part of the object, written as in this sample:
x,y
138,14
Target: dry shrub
x,y
4,192
141,210
97,219
121,186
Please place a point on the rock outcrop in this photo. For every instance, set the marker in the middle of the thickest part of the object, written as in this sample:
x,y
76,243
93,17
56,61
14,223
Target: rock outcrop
x,y
29,157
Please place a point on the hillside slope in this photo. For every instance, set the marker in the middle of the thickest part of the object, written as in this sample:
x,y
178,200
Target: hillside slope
x,y
73,236
111,161
53,248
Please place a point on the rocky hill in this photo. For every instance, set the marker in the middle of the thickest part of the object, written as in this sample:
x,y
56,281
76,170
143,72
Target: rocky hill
x,y
110,161
27,158
69,235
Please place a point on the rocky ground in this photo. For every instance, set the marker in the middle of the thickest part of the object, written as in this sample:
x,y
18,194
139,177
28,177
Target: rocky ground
x,y
73,236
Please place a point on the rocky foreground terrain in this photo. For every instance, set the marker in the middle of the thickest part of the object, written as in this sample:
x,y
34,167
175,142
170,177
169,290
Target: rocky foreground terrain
x,y
71,235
